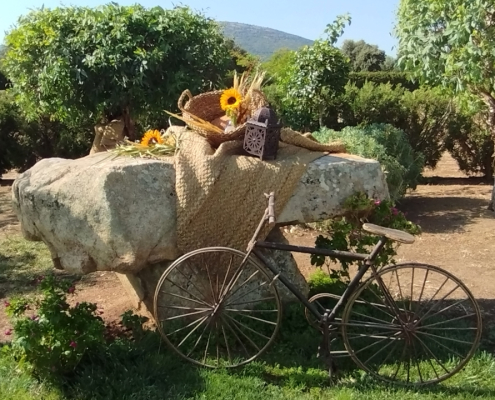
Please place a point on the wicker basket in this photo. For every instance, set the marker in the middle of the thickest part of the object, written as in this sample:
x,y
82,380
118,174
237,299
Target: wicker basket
x,y
207,107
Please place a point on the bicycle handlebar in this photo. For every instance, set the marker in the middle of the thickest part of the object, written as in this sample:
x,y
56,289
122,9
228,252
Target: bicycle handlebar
x,y
271,207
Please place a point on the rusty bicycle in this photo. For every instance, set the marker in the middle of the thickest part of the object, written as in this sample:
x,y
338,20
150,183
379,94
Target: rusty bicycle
x,y
409,323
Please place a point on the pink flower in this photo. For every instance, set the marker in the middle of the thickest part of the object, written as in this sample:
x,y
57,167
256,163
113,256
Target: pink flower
x,y
34,317
377,202
394,211
6,303
8,332
73,344
71,289
100,312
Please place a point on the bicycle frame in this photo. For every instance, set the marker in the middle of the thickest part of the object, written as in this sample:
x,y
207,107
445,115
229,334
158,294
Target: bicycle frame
x,y
255,246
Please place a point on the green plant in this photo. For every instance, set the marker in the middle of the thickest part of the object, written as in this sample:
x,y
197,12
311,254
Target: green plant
x,y
134,323
23,143
50,336
315,78
388,145
79,64
363,56
346,234
451,44
425,114
394,78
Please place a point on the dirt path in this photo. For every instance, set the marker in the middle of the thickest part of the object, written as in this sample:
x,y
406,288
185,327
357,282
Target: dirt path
x,y
458,235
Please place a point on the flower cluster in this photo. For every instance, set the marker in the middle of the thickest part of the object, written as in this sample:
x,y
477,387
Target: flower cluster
x,y
346,233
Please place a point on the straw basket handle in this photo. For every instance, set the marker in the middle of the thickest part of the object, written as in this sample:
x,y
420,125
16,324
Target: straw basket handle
x,y
186,93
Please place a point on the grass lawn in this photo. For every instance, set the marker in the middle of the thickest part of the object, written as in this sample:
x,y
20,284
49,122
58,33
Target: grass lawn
x,y
146,369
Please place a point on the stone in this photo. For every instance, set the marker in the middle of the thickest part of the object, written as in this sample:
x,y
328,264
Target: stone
x,y
99,212
103,212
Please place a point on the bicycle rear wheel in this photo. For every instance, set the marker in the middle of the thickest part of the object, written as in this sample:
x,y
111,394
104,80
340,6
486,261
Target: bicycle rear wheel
x,y
216,307
413,324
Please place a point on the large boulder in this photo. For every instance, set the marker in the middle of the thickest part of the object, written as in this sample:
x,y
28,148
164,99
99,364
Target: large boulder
x,y
103,212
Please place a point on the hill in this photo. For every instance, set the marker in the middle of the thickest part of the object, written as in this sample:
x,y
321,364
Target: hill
x,y
262,42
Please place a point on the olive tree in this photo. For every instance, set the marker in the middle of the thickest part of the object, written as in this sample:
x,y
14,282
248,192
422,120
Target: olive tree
x,y
78,64
451,43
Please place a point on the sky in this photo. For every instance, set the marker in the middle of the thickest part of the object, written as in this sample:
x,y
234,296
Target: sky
x,y
372,20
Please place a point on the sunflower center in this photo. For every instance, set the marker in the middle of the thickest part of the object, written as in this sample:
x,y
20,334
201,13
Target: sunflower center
x,y
153,141
231,100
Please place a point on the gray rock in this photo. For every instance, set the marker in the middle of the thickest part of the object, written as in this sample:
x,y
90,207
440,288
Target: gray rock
x,y
105,213
99,212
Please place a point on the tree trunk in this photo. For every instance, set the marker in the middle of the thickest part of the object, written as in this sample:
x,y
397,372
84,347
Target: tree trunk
x,y
490,102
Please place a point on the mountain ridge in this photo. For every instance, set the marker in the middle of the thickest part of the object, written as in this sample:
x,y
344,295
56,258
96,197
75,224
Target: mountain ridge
x,y
261,41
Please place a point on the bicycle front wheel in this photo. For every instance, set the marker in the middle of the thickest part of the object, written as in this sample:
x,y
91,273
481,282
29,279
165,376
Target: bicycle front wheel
x,y
216,307
413,324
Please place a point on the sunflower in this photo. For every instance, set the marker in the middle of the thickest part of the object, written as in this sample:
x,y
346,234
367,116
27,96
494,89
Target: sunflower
x,y
151,137
230,99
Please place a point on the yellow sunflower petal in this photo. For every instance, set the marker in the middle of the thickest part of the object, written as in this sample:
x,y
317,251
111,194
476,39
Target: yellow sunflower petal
x,y
230,99
151,137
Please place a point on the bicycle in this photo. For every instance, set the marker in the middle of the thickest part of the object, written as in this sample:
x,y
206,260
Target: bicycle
x,y
220,307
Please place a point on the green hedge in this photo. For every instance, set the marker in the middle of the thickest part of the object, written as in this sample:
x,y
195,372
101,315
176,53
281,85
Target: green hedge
x,y
388,145
393,77
23,143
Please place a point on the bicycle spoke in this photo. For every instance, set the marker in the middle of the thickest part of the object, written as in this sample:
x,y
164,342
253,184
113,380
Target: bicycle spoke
x,y
214,297
200,337
186,298
449,320
227,296
193,330
252,301
259,319
442,345
432,297
427,316
445,338
185,315
226,344
206,349
432,354
247,327
235,324
237,337
189,293
371,318
417,362
412,290
226,275
249,311
379,351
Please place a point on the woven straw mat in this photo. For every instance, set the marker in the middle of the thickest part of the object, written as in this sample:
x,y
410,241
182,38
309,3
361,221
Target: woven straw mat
x,y
220,194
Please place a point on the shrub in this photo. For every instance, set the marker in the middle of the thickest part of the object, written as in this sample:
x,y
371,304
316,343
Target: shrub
x,y
80,63
23,143
386,144
346,234
423,115
394,78
50,336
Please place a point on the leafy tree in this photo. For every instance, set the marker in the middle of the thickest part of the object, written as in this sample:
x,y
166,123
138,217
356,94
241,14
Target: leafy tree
x,y
317,76
78,64
241,61
363,56
451,43
389,64
278,65
23,143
